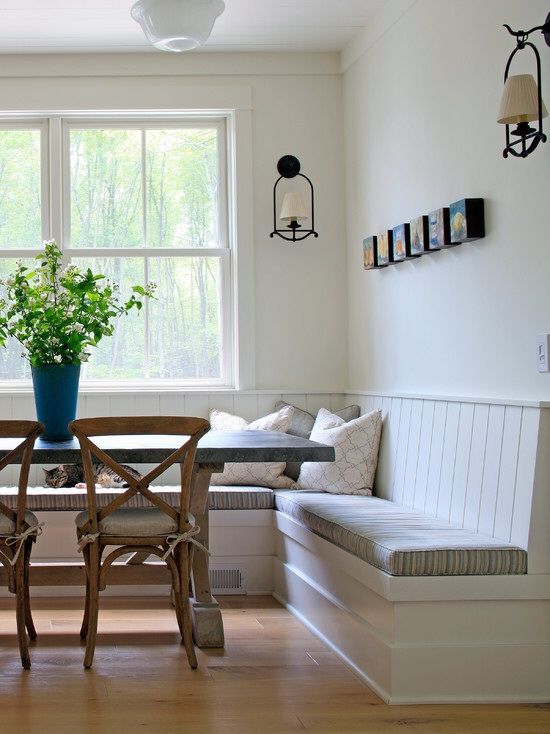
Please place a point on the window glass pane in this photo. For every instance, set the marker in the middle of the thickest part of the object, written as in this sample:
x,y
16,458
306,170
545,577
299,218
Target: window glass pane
x,y
106,199
184,323
12,365
20,198
122,355
182,188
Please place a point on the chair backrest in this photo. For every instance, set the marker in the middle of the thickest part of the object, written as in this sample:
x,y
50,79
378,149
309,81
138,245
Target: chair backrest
x,y
192,428
28,431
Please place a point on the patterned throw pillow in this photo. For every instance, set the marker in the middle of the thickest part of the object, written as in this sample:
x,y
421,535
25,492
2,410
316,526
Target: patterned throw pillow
x,y
356,447
302,424
254,473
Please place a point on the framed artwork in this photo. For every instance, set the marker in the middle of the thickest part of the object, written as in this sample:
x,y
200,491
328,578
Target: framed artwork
x,y
419,235
384,241
369,253
467,220
400,243
439,229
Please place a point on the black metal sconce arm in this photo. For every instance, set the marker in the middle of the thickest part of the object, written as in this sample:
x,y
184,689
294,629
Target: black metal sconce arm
x,y
528,138
522,36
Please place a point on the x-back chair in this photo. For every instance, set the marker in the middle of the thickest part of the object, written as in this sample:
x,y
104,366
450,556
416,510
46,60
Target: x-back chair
x,y
19,528
161,530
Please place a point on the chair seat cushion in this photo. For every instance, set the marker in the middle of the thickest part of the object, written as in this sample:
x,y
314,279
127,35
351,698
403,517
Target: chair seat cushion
x,y
134,522
7,526
399,540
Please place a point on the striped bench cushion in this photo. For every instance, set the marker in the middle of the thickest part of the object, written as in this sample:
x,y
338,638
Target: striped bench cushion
x,y
398,540
45,499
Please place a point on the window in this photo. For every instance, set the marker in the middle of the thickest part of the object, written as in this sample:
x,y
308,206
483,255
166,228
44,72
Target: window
x,y
140,200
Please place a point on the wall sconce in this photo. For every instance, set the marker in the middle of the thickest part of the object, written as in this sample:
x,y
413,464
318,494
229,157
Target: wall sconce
x,y
522,99
293,209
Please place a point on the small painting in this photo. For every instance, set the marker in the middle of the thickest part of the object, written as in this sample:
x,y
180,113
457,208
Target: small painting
x,y
369,253
419,232
384,243
439,229
400,235
467,220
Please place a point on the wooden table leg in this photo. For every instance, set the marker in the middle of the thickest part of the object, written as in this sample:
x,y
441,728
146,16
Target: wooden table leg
x,y
205,610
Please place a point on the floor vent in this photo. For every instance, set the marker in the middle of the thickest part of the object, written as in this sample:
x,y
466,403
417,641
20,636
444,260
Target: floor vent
x,y
227,581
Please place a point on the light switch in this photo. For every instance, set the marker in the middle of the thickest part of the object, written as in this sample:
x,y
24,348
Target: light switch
x,y
543,348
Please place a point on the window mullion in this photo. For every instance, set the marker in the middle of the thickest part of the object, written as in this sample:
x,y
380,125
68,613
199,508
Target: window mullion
x,y
145,239
56,180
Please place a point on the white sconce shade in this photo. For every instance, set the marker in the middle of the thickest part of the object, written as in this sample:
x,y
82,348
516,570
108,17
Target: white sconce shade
x,y
177,25
293,208
520,101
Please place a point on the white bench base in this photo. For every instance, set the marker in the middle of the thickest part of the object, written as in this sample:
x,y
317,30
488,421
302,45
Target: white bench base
x,y
417,642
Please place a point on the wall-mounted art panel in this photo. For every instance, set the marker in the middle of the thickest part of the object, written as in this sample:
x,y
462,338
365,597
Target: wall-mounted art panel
x,y
440,231
420,235
467,220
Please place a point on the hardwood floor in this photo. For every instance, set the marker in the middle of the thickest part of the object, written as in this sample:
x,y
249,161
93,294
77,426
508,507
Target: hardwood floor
x,y
273,676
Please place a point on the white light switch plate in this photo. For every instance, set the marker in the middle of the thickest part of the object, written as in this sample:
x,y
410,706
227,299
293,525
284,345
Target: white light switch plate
x,y
543,348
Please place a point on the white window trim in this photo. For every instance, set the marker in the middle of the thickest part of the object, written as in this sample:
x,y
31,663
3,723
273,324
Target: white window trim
x,y
235,225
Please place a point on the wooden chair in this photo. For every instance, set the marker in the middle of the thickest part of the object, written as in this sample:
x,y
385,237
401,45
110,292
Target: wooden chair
x,y
160,530
19,528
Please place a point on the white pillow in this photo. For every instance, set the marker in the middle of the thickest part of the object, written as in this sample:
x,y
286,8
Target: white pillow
x,y
356,447
254,473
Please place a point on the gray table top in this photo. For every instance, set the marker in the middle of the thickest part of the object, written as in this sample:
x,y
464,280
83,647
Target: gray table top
x,y
216,447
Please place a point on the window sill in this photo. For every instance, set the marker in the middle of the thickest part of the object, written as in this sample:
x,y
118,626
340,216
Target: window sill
x,y
110,388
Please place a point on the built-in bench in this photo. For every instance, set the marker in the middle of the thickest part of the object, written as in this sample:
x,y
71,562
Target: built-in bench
x,y
438,588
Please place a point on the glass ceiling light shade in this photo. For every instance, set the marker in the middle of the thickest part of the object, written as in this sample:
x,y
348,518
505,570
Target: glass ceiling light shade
x,y
520,100
177,25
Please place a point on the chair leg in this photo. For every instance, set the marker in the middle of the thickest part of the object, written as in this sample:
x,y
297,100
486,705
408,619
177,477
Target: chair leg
x,y
176,599
93,605
20,612
182,599
28,614
85,620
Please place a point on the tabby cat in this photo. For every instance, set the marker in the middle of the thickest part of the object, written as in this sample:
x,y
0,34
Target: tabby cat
x,y
72,475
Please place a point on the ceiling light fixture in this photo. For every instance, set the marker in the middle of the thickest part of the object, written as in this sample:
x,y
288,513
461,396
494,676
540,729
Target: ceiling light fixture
x,y
177,25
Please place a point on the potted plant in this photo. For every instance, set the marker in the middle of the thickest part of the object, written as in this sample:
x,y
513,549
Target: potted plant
x,y
58,314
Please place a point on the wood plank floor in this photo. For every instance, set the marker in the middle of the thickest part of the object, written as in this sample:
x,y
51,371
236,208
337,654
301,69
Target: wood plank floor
x,y
273,676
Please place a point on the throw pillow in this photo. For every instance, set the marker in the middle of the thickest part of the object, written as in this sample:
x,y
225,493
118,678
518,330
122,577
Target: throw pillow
x,y
302,424
254,473
356,446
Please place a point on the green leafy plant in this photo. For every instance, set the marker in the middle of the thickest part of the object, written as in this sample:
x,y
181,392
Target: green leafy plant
x,y
58,313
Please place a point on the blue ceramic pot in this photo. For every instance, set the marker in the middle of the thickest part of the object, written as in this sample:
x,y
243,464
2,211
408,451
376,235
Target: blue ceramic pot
x,y
55,396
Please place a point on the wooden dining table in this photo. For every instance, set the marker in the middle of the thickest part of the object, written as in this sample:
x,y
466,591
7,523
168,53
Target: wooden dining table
x,y
213,451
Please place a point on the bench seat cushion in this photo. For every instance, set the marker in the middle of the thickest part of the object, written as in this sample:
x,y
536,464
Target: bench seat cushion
x,y
397,540
44,499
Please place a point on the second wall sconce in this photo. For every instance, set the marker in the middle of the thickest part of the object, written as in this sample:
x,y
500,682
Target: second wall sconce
x,y
522,99
293,209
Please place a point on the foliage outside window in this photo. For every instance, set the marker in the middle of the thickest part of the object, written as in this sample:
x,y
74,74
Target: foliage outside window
x,y
140,201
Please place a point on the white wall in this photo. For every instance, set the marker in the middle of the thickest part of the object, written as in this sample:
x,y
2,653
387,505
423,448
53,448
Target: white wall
x,y
293,326
421,94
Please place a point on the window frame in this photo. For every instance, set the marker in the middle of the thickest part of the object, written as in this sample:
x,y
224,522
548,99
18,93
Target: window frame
x,y
55,205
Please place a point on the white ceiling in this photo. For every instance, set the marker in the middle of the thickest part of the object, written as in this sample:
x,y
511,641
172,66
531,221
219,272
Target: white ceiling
x,y
62,26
